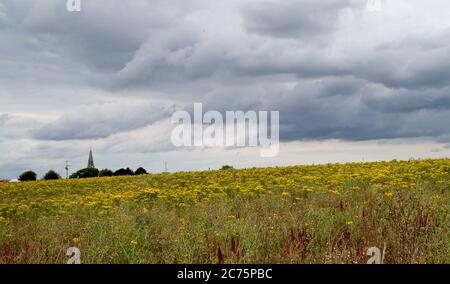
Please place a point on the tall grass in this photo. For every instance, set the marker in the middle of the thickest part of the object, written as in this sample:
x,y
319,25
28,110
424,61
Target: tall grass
x,y
409,226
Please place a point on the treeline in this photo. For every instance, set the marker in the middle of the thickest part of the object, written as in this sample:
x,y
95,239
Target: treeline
x,y
83,173
93,172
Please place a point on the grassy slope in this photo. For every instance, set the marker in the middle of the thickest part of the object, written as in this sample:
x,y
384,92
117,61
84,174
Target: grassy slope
x,y
309,214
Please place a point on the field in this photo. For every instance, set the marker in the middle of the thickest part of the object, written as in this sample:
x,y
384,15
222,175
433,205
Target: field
x,y
302,214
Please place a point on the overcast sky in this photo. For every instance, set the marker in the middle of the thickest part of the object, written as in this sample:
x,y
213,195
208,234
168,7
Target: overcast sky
x,y
350,84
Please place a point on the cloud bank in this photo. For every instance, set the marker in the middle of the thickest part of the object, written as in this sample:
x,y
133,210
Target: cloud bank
x,y
115,70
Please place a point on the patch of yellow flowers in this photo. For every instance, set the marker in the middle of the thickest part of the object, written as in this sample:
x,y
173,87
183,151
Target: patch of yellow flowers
x,y
187,189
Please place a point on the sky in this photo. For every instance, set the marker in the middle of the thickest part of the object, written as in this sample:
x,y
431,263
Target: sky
x,y
351,84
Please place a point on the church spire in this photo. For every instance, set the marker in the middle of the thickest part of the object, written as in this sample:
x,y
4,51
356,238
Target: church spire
x,y
91,160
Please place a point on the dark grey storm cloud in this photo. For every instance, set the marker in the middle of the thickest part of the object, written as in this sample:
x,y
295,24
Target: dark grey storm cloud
x,y
362,112
101,121
295,19
332,69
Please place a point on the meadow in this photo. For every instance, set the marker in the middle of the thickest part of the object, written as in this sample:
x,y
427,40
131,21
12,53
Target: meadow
x,y
300,214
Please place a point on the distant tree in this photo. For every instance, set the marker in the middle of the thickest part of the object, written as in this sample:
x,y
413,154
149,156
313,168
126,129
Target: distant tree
x,y
227,167
124,172
86,173
105,173
140,171
28,176
51,175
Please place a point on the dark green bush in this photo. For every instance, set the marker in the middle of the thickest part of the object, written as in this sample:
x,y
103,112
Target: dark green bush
x,y
227,167
28,176
141,171
51,175
86,173
105,173
124,172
